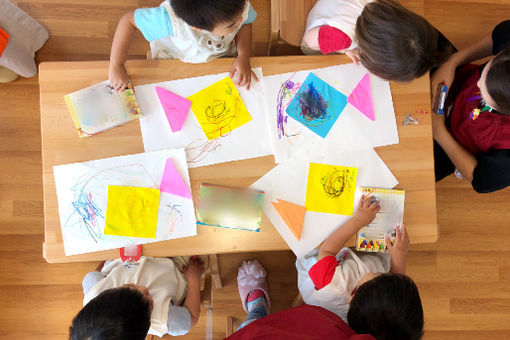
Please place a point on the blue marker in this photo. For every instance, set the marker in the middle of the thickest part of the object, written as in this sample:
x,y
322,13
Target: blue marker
x,y
443,89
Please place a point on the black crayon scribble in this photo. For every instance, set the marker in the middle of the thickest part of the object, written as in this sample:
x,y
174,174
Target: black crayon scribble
x,y
334,182
312,104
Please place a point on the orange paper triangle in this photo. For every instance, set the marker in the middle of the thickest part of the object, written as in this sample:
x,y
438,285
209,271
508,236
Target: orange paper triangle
x,y
292,214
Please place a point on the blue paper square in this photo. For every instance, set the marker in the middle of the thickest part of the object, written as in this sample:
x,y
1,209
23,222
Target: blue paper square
x,y
317,105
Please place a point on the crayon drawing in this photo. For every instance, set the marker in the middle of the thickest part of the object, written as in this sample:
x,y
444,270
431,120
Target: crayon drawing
x,y
330,189
317,105
219,109
287,91
131,211
83,198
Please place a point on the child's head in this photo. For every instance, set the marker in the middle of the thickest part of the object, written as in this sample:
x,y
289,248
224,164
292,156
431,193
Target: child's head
x,y
387,306
220,17
494,83
115,314
395,43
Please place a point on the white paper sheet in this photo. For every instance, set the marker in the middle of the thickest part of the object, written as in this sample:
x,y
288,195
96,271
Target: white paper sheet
x,y
250,140
352,130
82,190
287,181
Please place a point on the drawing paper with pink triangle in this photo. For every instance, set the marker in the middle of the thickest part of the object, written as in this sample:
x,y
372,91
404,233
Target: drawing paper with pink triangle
x,y
361,98
172,182
176,108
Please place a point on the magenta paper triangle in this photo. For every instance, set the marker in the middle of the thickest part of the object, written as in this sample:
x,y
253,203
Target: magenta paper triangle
x,y
176,108
361,98
172,181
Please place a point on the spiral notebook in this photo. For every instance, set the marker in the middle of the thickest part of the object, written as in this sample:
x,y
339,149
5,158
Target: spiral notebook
x,y
99,107
371,238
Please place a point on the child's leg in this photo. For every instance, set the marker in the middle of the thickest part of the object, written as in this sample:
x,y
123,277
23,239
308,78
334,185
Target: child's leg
x,y
257,307
443,165
310,42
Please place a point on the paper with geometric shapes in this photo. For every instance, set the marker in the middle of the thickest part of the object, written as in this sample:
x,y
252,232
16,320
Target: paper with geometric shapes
x,y
292,214
291,140
330,189
172,183
317,105
287,181
131,211
249,140
176,108
82,192
361,98
219,109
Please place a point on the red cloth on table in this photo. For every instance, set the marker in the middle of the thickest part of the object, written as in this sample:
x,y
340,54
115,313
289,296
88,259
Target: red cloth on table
x,y
304,322
332,39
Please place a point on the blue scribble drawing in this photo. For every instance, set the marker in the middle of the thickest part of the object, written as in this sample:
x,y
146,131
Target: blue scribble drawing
x,y
89,188
317,105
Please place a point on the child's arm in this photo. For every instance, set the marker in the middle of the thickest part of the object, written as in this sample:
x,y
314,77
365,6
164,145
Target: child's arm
x,y
192,272
117,73
398,251
446,72
464,161
241,64
365,213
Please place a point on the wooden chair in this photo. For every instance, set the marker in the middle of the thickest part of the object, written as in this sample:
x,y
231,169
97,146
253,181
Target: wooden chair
x,y
288,21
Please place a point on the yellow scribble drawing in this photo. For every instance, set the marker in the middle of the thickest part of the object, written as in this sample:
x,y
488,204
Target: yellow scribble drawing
x,y
131,211
330,189
219,109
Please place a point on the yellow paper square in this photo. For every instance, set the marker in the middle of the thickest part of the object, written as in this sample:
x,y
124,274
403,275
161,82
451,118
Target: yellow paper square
x,y
330,189
219,109
131,211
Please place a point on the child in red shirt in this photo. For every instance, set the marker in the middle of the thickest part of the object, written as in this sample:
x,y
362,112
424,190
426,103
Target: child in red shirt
x,y
474,138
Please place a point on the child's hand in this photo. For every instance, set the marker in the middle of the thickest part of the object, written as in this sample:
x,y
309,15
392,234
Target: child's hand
x,y
368,207
194,270
242,66
400,247
353,54
443,75
118,77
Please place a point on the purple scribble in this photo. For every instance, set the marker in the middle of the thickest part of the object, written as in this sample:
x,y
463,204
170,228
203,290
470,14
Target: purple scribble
x,y
287,91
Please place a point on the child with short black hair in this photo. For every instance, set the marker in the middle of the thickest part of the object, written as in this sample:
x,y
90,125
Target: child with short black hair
x,y
358,287
193,31
391,41
126,301
473,136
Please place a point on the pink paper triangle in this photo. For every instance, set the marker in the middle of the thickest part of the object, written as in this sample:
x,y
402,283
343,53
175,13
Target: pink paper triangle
x,y
176,108
361,98
172,181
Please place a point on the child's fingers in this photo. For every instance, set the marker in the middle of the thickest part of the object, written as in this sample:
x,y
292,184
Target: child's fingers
x,y
388,243
404,233
254,76
398,234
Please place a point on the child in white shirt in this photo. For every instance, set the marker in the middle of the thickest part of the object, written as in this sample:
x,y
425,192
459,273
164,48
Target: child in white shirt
x,y
357,287
193,31
128,300
389,40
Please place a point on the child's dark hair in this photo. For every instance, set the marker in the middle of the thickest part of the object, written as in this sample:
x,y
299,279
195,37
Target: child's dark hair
x,y
122,313
206,14
387,307
498,81
397,44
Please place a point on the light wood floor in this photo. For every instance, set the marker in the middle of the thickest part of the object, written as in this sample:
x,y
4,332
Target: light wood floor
x,y
462,278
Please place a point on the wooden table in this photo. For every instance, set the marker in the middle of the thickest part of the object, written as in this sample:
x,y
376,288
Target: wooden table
x,y
411,161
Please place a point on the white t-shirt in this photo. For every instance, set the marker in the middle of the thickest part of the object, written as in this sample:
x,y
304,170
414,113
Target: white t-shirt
x,y
351,267
172,38
341,14
166,285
